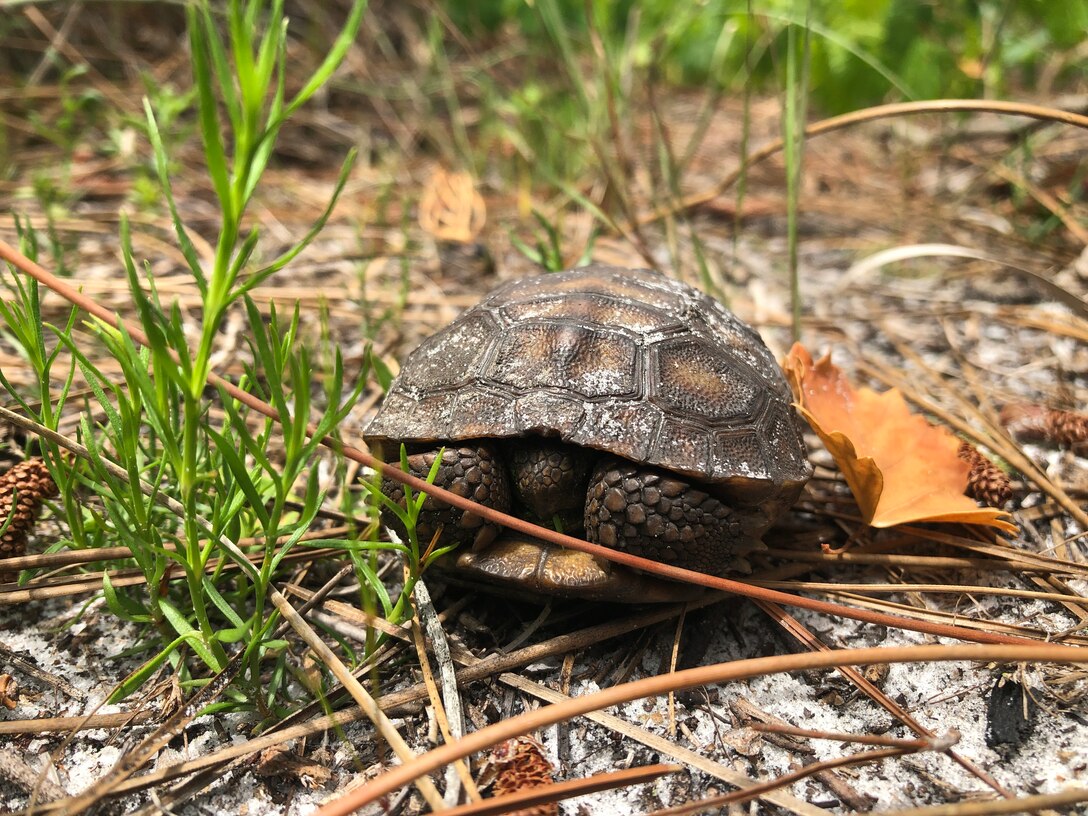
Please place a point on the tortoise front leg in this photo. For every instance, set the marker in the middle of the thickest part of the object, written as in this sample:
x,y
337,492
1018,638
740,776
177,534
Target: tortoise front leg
x,y
470,470
657,515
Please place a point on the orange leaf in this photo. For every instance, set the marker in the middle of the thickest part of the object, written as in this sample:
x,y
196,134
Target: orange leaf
x,y
450,208
900,468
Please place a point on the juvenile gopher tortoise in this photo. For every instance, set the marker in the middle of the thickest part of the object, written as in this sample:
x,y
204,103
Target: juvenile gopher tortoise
x,y
618,403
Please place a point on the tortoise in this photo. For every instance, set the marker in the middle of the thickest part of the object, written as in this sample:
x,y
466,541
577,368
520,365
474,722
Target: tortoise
x,y
618,403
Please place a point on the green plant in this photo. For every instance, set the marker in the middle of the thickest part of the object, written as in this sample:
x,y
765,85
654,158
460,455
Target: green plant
x,y
24,327
79,110
174,125
547,249
235,508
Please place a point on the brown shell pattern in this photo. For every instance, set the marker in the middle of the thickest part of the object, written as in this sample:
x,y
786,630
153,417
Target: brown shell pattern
x,y
625,361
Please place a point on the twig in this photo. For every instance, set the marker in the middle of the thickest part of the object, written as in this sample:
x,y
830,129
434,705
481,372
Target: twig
x,y
1022,804
447,706
51,680
924,744
15,770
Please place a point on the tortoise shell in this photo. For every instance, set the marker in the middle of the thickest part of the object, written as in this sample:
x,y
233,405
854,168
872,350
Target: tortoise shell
x,y
625,361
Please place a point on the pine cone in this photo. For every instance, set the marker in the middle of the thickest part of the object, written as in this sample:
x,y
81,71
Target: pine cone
x,y
1034,423
986,482
23,488
516,765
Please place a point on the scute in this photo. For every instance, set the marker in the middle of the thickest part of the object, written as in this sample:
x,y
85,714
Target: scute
x,y
451,358
699,380
625,361
583,361
593,309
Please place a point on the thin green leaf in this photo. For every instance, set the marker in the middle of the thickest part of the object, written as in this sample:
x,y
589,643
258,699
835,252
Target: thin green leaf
x,y
121,606
336,55
182,626
241,474
371,579
137,678
220,63
162,167
223,605
208,108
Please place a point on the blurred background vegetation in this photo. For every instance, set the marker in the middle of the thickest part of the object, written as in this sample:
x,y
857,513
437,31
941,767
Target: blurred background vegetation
x,y
862,51
534,74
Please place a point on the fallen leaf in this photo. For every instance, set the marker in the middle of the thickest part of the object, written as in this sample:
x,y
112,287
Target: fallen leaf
x,y
450,208
900,468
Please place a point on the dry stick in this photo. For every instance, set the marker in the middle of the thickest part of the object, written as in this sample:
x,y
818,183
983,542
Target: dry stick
x,y
23,263
869,115
456,773
961,589
361,696
852,801
924,744
49,725
904,560
15,769
42,676
688,678
547,794
447,705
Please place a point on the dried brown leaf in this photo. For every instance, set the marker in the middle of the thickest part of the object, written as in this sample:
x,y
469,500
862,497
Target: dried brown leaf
x,y
450,207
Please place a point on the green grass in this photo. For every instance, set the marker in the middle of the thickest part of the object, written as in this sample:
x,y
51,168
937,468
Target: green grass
x,y
176,486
